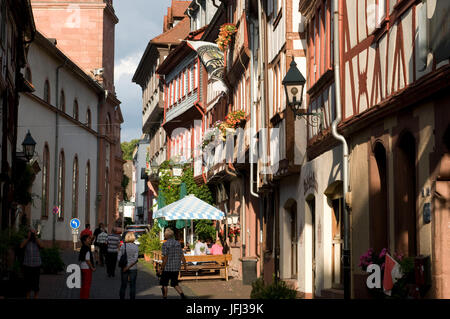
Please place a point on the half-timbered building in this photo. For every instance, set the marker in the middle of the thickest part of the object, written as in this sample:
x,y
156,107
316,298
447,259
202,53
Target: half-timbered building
x,y
176,27
394,91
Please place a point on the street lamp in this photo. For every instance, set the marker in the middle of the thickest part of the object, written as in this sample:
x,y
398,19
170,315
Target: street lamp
x,y
294,83
28,145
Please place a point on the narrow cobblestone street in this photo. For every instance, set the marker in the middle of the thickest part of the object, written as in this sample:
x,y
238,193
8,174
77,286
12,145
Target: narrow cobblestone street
x,y
147,286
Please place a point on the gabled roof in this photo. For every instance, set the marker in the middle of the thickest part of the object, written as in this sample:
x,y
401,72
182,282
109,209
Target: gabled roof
x,y
178,54
179,7
168,38
175,12
174,35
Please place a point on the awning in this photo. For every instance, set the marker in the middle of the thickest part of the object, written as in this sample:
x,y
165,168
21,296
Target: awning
x,y
190,207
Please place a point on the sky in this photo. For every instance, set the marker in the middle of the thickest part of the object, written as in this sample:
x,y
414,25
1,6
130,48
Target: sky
x,y
139,21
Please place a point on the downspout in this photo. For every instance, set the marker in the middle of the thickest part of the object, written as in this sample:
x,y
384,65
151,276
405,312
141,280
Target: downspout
x,y
262,136
263,121
253,113
55,190
346,253
252,133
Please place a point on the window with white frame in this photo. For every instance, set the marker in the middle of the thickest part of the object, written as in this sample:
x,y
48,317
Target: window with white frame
x,y
195,75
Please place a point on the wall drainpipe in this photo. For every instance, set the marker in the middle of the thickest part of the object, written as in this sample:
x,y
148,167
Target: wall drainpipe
x,y
341,138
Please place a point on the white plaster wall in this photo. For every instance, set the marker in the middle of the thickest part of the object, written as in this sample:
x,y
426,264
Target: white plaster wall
x,y
327,169
74,139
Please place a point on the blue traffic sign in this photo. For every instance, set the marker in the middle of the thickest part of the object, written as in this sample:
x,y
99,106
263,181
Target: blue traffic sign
x,y
75,223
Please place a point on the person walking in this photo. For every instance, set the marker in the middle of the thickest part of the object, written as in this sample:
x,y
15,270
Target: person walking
x,y
102,244
32,263
112,251
86,259
86,231
129,272
172,256
97,231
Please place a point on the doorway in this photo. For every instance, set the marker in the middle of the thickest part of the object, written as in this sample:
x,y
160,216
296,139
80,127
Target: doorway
x,y
337,242
292,211
405,199
311,233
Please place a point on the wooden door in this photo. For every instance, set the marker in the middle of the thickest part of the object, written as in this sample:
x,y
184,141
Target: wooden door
x,y
337,244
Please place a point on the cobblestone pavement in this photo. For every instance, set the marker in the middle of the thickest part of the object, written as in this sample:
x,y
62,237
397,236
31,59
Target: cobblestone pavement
x,y
103,287
214,289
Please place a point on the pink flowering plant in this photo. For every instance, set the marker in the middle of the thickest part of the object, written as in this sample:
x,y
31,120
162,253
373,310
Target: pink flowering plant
x,y
372,257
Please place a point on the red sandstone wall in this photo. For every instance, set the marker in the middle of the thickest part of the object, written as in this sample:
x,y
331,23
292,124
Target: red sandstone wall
x,y
79,28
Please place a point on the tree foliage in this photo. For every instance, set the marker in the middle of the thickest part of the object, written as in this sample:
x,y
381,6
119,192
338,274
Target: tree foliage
x,y
171,189
128,148
150,242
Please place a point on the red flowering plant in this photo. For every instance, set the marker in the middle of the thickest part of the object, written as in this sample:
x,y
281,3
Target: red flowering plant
x,y
226,31
233,232
233,119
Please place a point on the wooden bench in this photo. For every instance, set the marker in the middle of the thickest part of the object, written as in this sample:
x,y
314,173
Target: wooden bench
x,y
157,259
210,264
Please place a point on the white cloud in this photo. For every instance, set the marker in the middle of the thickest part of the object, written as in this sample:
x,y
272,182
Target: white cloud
x,y
127,66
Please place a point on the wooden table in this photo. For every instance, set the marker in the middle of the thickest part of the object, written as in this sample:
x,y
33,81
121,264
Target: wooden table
x,y
205,268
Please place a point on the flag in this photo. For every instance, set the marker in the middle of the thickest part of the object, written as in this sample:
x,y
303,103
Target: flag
x,y
392,273
213,60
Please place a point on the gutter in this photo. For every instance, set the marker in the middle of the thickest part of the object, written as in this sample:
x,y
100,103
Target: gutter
x,y
346,252
253,114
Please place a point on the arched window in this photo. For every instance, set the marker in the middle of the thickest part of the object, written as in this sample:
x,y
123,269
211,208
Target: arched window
x,y
45,181
47,92
106,196
62,101
87,192
75,110
405,196
88,117
61,183
75,173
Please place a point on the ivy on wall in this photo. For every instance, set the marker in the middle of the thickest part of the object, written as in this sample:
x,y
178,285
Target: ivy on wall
x,y
170,186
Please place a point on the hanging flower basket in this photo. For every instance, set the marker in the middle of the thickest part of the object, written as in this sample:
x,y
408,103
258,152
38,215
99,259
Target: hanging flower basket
x,y
235,119
226,33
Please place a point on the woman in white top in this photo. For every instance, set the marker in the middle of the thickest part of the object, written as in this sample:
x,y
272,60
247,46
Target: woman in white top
x,y
130,270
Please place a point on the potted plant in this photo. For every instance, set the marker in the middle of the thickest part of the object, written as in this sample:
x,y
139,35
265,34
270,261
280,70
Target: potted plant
x,y
226,33
231,234
402,287
237,233
52,262
235,119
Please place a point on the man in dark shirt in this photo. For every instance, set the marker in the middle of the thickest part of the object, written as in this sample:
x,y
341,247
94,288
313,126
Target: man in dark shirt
x,y
172,257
